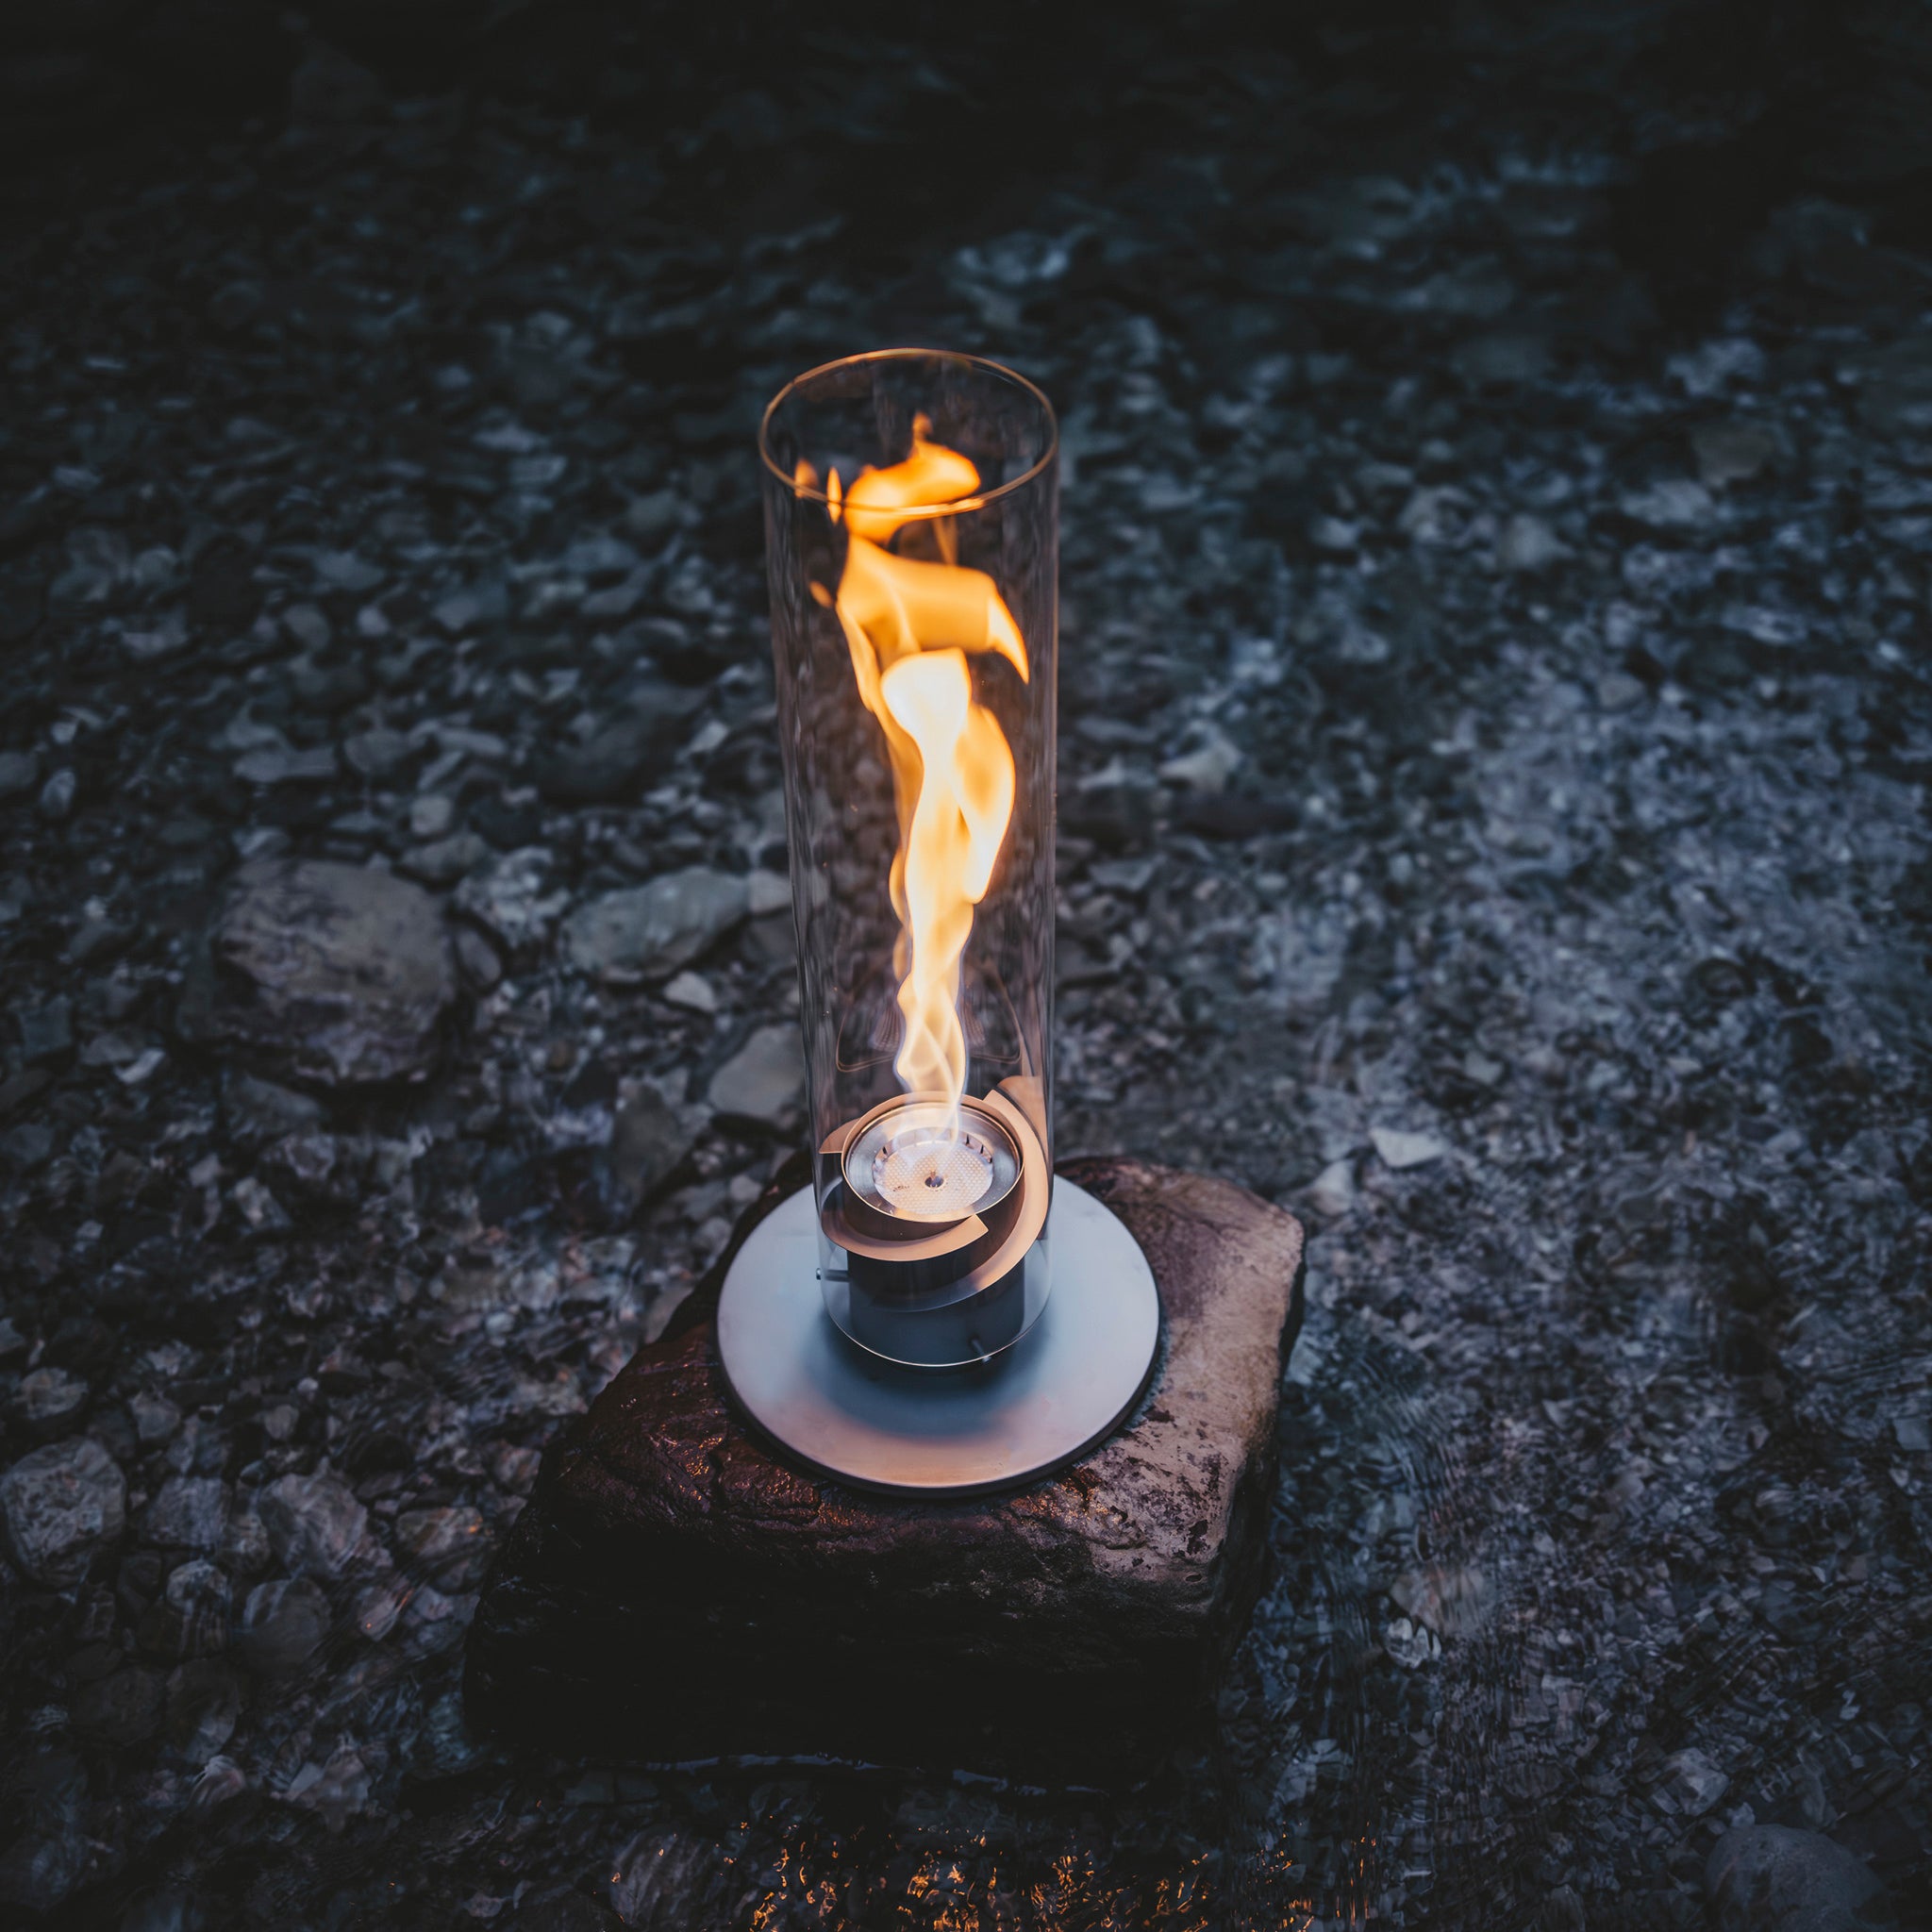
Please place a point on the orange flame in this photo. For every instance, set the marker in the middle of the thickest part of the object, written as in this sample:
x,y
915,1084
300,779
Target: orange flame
x,y
909,624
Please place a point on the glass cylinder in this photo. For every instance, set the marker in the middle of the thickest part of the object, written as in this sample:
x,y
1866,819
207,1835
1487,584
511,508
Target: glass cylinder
x,y
911,527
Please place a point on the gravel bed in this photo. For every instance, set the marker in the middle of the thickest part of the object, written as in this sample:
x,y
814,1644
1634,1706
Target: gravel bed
x,y
1495,736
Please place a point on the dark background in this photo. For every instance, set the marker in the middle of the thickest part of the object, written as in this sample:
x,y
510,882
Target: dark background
x,y
1720,113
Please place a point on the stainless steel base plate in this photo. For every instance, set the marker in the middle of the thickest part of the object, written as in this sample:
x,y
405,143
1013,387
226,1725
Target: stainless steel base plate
x,y
1059,1390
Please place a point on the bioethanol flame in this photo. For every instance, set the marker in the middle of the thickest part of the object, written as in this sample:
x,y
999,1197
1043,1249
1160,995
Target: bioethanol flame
x,y
910,623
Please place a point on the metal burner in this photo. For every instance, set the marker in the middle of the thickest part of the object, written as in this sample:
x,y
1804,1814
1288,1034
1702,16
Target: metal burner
x,y
921,1161
1044,1402
929,1213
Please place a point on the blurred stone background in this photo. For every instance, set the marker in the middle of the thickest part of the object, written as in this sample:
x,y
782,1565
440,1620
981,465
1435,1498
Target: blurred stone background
x,y
1495,738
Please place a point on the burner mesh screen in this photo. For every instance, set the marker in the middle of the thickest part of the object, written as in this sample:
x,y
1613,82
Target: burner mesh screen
x,y
932,1177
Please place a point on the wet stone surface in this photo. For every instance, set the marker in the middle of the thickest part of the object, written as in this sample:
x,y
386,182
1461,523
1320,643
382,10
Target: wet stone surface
x,y
1773,1878
1496,732
992,1636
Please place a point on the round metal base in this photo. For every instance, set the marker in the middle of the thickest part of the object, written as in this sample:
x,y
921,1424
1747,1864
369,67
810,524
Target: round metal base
x,y
1059,1390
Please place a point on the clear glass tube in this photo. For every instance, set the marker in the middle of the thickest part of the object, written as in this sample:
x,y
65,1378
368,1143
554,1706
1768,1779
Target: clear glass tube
x,y
911,522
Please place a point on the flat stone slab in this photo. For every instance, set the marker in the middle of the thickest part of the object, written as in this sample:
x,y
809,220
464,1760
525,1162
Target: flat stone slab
x,y
676,1590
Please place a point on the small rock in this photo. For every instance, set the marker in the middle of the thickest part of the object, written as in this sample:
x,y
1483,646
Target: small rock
x,y
1694,1784
1775,1878
19,772
647,1140
444,861
274,764
259,1207
18,1088
154,1419
621,756
1398,1150
308,625
140,1066
473,743
432,815
46,1031
1502,361
247,732
56,794
42,1865
1674,504
508,899
1731,452
48,1403
244,1549
1714,365
201,1449
335,1792
450,1546
379,1608
1333,535
378,754
221,1779
476,960
464,609
618,601
764,1080
436,1619
188,1513
29,1146
191,1618
1409,1644
260,1110
283,1624
1616,691
122,1709
515,1467
1528,545
691,990
1206,769
1332,1192
1767,624
653,517
646,932
333,972
328,688
62,1506
167,637
1451,1600
472,1287
343,570
1480,1067
1894,385
310,1165
600,556
314,1523
109,1050
766,892
204,1702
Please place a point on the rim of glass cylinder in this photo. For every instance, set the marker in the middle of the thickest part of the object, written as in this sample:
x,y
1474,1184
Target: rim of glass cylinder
x,y
812,493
